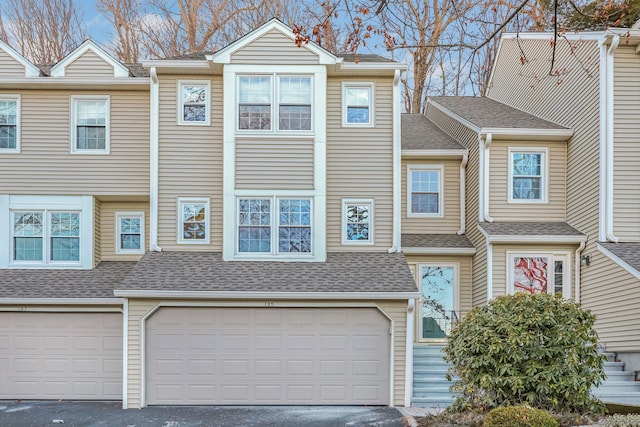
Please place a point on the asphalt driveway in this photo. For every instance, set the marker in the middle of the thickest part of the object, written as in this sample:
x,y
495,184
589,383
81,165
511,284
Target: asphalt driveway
x,y
65,414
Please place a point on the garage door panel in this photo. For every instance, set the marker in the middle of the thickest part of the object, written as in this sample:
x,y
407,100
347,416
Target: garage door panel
x,y
268,356
61,356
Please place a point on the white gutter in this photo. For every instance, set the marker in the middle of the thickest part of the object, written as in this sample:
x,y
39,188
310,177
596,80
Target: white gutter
x,y
487,144
489,271
127,83
435,153
397,166
408,373
576,291
438,251
480,179
463,169
267,295
61,301
609,136
153,160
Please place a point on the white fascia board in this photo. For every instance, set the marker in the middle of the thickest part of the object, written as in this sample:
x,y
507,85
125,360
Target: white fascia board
x,y
266,295
587,35
516,239
435,153
373,66
618,261
177,63
438,251
223,56
75,83
454,116
119,70
529,133
62,301
30,70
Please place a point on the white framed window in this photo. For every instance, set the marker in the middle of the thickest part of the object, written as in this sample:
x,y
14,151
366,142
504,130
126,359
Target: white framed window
x,y
357,221
195,100
425,191
528,175
193,220
439,288
45,237
357,104
130,233
274,225
9,123
539,272
293,103
90,124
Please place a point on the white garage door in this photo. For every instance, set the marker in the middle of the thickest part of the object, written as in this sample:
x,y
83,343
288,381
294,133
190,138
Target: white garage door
x,y
267,356
61,356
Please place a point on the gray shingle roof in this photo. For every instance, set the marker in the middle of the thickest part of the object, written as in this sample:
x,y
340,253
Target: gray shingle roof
x,y
420,133
627,252
360,57
205,271
487,113
435,241
96,283
529,229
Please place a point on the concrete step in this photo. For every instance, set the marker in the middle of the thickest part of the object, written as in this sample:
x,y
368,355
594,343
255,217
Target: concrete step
x,y
430,390
620,376
613,366
621,386
430,369
431,362
428,402
427,349
629,398
611,357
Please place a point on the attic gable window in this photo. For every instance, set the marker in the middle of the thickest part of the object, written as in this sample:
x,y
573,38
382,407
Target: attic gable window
x,y
90,124
9,124
194,102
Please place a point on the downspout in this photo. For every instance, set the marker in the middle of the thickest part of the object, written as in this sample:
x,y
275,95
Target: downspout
x,y
153,161
125,353
487,144
576,290
463,169
397,166
489,271
609,142
480,178
408,373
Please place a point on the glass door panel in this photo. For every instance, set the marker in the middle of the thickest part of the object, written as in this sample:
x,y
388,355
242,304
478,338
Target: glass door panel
x,y
437,284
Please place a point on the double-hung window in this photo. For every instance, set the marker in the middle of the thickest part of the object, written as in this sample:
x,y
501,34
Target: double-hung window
x,y
424,197
194,102
357,104
45,237
357,221
130,233
90,124
527,182
193,223
274,225
9,123
293,100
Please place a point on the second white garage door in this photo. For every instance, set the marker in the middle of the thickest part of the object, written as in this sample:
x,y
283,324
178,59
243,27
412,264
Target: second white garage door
x,y
267,356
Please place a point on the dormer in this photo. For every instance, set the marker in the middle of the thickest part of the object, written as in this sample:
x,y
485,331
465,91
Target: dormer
x,y
12,64
89,61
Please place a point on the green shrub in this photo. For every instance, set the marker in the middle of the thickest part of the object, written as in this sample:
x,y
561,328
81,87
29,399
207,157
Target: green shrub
x,y
519,416
629,420
539,350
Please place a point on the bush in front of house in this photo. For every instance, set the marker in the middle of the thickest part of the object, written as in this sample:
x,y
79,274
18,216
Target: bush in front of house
x,y
519,416
539,350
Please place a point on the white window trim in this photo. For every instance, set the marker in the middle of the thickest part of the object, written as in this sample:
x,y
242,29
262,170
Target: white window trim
x,y
16,98
74,117
544,151
426,167
275,224
456,289
127,214
347,202
275,103
207,103
552,256
372,89
207,211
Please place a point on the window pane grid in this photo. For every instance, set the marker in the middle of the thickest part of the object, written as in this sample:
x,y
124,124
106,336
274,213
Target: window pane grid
x,y
358,221
194,221
194,107
27,232
294,234
130,233
425,191
358,103
8,124
91,124
526,176
65,236
254,232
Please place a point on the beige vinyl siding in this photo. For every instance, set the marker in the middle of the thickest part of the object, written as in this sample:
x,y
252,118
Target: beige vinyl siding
x,y
613,297
280,164
9,67
500,209
108,227
450,222
464,263
96,232
89,64
469,139
45,165
360,165
139,308
274,48
626,202
190,164
500,262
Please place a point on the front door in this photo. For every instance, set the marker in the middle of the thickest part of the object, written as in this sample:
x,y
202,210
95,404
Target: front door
x,y
438,301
